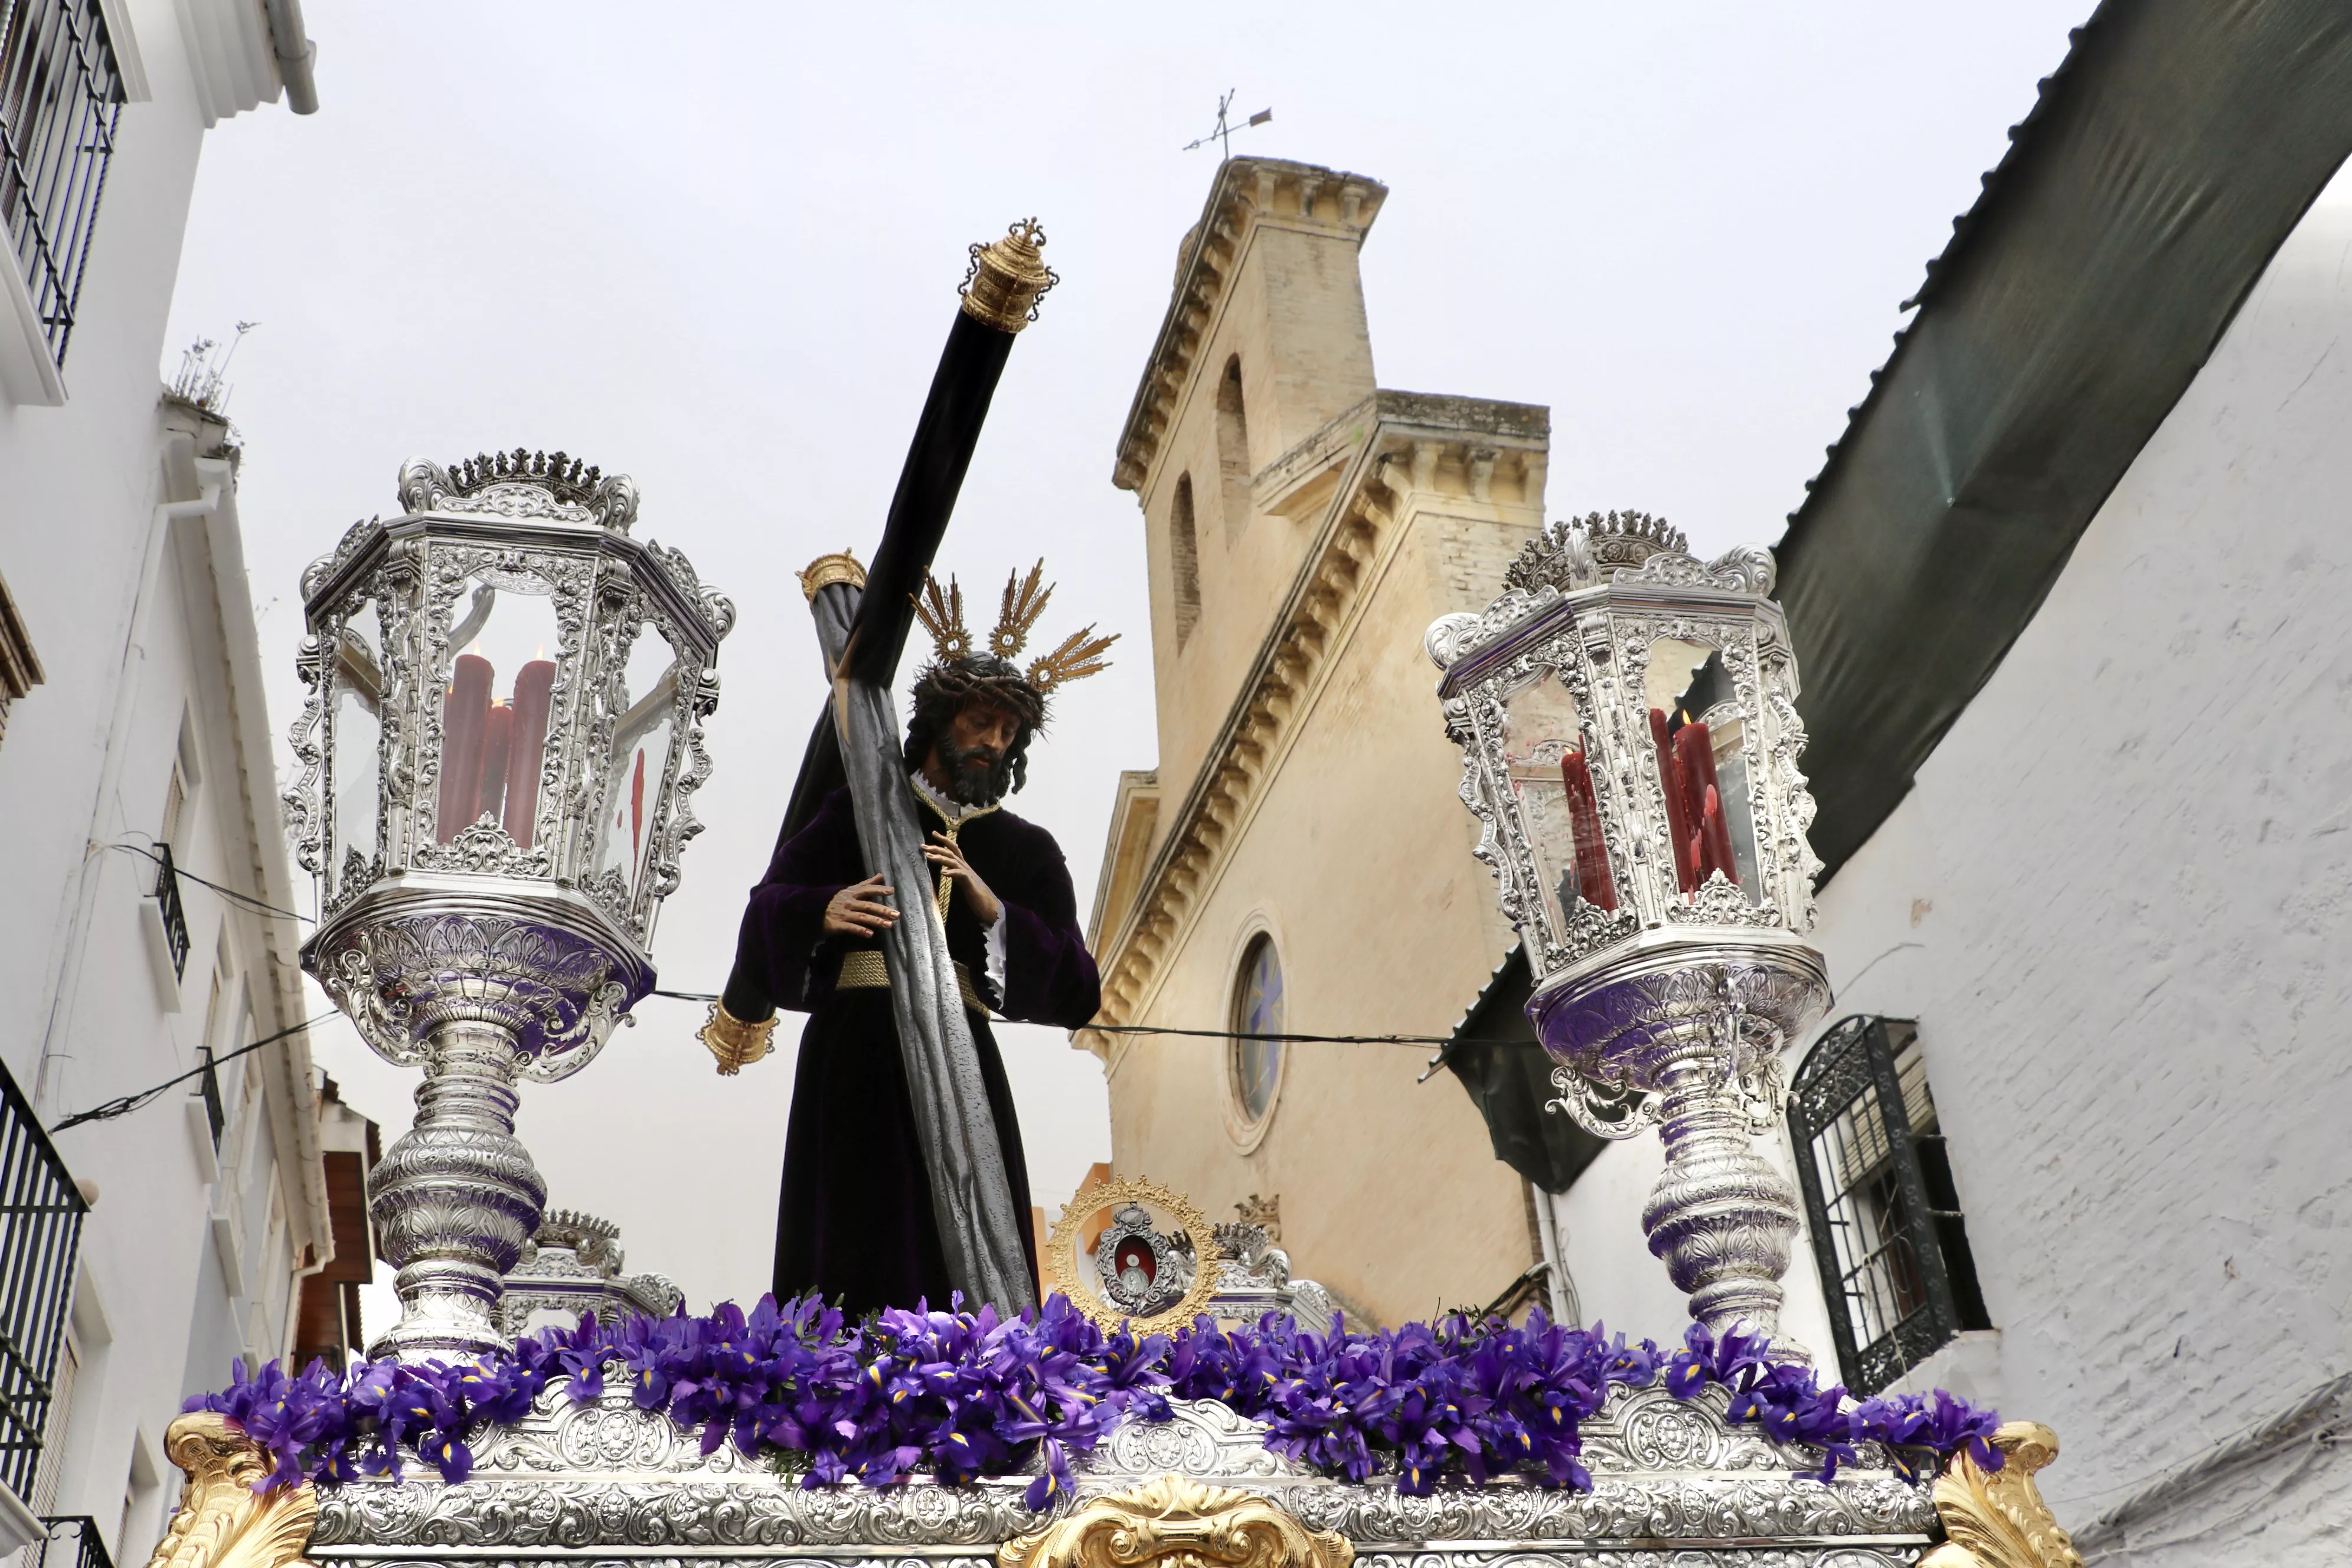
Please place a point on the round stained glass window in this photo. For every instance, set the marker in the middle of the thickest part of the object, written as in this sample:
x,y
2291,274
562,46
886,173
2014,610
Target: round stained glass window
x,y
1256,1064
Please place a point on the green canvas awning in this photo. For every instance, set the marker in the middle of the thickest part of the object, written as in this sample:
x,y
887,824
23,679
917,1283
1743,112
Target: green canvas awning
x,y
2165,163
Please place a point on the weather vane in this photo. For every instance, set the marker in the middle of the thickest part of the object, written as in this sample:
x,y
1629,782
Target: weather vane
x,y
1223,133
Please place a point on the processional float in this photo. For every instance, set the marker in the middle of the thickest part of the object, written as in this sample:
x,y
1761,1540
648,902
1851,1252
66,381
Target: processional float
x,y
497,761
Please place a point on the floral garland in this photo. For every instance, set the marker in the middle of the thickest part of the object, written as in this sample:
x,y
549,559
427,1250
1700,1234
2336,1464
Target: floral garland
x,y
957,1395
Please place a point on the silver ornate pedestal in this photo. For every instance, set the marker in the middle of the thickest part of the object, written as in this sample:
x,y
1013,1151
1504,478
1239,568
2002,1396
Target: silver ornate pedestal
x,y
490,868
1689,1039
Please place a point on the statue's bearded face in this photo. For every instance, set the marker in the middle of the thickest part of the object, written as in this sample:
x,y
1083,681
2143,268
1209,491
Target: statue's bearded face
x,y
970,757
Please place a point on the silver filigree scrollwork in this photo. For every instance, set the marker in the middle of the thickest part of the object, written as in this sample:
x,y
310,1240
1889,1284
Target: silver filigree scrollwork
x,y
1797,816
1201,1438
483,847
1747,570
523,485
571,1267
316,575
1675,1484
1614,1112
359,873
610,893
1477,724
556,991
1722,902
716,607
304,799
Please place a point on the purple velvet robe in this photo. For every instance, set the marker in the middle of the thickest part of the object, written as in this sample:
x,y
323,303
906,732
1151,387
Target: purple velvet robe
x,y
856,1220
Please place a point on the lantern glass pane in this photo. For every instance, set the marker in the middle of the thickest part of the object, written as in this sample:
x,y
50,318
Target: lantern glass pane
x,y
494,714
355,765
1698,735
1552,790
644,712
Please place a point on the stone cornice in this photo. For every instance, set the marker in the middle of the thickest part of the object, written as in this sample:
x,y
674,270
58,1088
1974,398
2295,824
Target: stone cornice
x,y
1248,191
1390,447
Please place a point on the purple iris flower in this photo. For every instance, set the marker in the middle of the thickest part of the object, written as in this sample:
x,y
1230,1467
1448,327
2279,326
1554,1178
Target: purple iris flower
x,y
959,1395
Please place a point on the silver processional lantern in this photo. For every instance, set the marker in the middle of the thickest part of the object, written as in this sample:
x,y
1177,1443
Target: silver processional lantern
x,y
1627,716
503,730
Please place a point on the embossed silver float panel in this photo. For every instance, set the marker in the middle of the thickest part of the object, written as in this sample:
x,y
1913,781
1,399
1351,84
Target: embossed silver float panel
x,y
579,1485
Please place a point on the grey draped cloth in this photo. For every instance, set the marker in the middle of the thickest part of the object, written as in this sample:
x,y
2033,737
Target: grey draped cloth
x,y
980,1231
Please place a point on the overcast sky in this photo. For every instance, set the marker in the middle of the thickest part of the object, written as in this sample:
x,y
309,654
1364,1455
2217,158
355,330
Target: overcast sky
x,y
715,248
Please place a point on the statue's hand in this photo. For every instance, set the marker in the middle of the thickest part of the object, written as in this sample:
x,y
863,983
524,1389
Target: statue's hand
x,y
858,909
944,853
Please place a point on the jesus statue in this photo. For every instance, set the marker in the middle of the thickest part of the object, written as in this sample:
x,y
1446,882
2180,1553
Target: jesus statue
x,y
857,1218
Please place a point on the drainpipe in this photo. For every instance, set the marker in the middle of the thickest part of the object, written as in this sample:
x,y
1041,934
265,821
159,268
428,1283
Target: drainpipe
x,y
296,54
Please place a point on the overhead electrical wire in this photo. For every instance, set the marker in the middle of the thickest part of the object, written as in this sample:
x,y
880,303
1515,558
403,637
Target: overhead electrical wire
x,y
124,1105
258,907
246,900
1219,1034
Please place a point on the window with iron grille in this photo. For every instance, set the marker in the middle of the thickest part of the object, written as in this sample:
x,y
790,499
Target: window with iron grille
x,y
167,902
41,1229
1887,1229
60,98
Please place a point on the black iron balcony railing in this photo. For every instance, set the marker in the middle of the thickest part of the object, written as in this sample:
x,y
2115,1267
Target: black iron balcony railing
x,y
72,1541
60,98
1884,1214
167,899
208,1086
40,1230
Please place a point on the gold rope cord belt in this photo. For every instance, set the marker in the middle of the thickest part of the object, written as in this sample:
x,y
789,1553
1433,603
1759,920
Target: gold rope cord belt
x,y
864,969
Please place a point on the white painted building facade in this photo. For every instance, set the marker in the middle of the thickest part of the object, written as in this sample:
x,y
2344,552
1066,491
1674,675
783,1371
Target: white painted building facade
x,y
135,719
2118,905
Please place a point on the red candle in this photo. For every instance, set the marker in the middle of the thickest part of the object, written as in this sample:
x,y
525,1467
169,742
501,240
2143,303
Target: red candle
x,y
1679,826
1694,750
527,751
637,807
497,741
1593,882
465,716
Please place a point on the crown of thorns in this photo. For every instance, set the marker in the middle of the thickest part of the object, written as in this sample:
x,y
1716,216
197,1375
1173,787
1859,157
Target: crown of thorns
x,y
942,613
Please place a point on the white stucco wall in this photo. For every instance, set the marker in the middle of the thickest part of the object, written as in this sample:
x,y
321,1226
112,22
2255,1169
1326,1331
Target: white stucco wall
x,y
2118,901
120,545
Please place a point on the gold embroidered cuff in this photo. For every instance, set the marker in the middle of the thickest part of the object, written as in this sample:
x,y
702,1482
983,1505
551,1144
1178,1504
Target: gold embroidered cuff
x,y
735,1042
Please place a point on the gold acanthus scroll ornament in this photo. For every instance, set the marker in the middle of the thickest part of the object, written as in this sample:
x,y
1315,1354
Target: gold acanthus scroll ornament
x,y
1176,1522
1997,1519
222,1523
